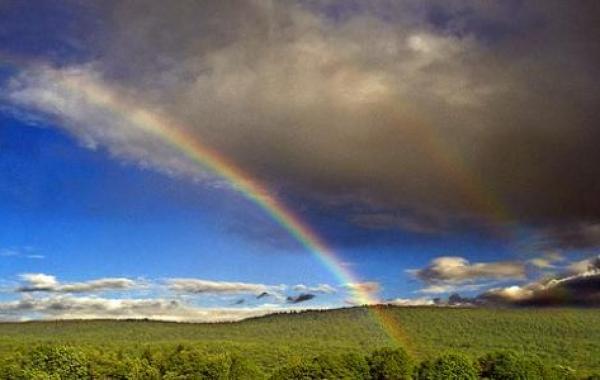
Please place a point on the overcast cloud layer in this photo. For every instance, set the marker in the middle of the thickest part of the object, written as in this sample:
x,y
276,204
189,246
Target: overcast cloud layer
x,y
435,113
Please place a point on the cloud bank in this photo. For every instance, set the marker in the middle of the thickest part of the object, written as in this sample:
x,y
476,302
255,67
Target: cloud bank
x,y
69,307
43,296
580,286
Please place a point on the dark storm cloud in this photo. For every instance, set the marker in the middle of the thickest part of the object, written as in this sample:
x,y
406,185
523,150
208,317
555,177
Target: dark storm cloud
x,y
573,236
464,110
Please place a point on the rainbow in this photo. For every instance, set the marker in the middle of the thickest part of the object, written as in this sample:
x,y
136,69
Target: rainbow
x,y
173,134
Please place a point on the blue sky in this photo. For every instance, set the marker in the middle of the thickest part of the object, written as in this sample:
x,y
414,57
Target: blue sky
x,y
333,106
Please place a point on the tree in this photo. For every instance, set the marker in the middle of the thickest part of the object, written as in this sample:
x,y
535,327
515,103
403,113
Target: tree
x,y
244,369
451,366
190,363
55,362
505,365
132,369
390,364
343,367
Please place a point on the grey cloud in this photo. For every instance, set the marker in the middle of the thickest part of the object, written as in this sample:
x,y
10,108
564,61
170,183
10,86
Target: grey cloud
x,y
580,286
39,282
479,114
572,236
262,295
584,266
385,221
455,270
303,297
549,260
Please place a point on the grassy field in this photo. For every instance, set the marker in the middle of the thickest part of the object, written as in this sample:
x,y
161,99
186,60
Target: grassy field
x,y
558,336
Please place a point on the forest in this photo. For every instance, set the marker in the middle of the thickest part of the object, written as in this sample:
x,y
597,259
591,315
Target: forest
x,y
436,343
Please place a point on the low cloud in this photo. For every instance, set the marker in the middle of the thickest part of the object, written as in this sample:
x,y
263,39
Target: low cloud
x,y
449,288
198,286
453,269
40,282
579,286
370,287
69,307
547,261
301,298
412,302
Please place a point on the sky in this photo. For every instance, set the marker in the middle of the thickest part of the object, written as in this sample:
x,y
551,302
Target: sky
x,y
208,161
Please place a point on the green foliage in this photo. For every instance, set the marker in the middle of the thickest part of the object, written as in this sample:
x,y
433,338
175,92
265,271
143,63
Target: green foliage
x,y
190,363
390,364
558,372
451,366
508,365
349,367
562,340
131,368
52,362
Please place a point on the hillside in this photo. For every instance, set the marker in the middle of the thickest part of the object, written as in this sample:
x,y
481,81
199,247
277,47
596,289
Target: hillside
x,y
565,336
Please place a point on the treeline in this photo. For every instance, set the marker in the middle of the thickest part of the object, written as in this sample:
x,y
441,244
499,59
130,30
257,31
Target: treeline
x,y
62,362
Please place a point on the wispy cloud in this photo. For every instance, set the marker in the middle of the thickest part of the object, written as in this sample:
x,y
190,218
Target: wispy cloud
x,y
40,282
321,288
547,261
452,288
26,252
199,286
